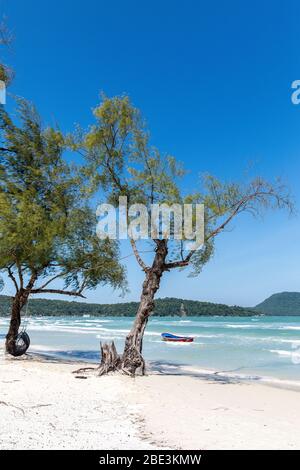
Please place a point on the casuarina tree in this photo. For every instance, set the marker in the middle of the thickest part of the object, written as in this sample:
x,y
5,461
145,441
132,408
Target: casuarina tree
x,y
121,158
48,242
6,72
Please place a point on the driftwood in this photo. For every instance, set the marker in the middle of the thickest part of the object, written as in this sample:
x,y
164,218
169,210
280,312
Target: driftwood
x,y
83,369
110,361
12,406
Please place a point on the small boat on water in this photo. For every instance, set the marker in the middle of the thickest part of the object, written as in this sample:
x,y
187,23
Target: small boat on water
x,y
175,338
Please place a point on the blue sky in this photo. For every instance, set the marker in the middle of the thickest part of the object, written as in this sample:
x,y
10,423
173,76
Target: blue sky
x,y
214,83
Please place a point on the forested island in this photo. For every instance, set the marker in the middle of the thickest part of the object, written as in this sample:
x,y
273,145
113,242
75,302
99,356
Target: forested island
x,y
163,307
282,303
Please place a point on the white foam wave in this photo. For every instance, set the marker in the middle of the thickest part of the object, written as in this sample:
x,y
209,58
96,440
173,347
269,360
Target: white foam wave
x,y
282,352
179,343
206,336
290,328
240,326
289,341
75,329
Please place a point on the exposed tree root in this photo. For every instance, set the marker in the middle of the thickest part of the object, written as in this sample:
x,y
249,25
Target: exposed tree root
x,y
83,369
111,361
133,361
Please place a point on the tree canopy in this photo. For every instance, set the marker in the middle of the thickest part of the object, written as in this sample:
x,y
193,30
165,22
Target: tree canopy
x,y
6,72
123,160
47,227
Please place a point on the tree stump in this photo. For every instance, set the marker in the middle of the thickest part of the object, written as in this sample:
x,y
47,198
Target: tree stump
x,y
110,359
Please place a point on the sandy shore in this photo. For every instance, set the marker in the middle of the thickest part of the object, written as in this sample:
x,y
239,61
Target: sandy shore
x,y
43,406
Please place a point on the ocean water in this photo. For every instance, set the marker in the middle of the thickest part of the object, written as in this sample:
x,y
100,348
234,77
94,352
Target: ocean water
x,y
251,347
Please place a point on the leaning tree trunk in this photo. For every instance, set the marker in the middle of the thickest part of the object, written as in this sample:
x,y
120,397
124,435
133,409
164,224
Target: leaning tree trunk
x,y
15,321
132,360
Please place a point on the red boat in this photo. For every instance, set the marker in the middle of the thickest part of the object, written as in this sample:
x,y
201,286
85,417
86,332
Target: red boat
x,y
177,339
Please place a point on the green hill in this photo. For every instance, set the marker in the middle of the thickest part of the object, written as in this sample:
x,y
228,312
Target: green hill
x,y
163,307
283,303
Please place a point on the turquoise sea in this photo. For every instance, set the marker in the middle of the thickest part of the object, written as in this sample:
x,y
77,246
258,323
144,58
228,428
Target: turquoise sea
x,y
252,347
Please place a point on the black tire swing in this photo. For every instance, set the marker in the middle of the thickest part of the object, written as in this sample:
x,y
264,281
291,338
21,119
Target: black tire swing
x,y
22,341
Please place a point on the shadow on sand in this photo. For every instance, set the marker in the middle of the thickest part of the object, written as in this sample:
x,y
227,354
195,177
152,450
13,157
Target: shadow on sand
x,y
153,367
165,368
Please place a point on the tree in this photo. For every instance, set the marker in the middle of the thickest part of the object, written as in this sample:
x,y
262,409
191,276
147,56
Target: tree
x,y
47,228
6,73
119,154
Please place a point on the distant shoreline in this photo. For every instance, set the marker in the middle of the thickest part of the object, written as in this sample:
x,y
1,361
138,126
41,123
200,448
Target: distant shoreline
x,y
163,307
280,304
183,370
133,315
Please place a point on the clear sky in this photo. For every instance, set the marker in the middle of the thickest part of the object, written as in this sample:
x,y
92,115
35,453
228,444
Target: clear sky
x,y
213,80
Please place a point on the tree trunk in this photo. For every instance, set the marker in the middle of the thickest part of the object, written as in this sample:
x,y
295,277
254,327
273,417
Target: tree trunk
x,y
12,347
110,359
132,359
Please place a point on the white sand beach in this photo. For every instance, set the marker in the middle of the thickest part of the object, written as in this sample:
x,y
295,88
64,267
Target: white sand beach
x,y
43,406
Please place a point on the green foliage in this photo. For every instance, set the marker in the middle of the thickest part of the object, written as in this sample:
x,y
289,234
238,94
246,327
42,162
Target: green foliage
x,y
119,152
282,303
225,201
163,307
121,158
46,225
6,73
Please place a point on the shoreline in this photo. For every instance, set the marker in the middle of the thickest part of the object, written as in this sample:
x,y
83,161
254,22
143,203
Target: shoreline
x,y
43,406
154,367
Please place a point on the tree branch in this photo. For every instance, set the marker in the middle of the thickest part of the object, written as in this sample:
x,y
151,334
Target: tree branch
x,y
238,206
226,222
31,281
10,274
20,275
50,280
137,255
176,264
57,291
